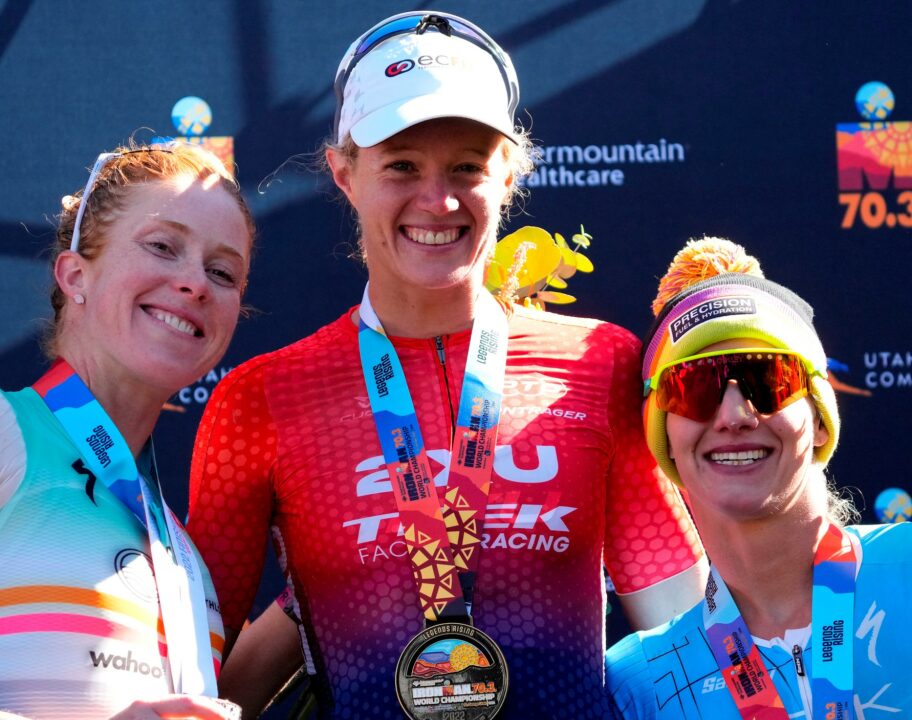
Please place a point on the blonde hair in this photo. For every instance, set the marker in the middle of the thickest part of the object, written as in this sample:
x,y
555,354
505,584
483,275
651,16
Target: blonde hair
x,y
841,508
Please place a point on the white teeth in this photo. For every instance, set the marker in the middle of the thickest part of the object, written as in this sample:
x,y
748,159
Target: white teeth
x,y
174,321
744,457
429,237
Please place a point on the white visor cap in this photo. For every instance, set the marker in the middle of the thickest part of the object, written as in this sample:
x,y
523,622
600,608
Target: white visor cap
x,y
410,78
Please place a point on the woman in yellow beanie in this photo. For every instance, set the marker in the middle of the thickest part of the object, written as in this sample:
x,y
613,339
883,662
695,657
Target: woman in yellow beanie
x,y
802,616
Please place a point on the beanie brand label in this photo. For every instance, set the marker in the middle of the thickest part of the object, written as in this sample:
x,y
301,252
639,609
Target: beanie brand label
x,y
710,310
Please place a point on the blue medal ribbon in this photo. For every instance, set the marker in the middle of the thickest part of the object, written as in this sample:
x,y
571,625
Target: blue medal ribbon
x,y
178,577
443,539
832,622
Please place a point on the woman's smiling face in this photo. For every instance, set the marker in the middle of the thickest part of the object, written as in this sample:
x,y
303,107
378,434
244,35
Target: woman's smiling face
x,y
743,464
428,200
163,296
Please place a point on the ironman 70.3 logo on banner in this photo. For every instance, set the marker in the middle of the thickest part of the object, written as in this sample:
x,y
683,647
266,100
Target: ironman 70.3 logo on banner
x,y
874,159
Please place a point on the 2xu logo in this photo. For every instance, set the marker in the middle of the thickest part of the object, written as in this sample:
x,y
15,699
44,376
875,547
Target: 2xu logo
x,y
399,67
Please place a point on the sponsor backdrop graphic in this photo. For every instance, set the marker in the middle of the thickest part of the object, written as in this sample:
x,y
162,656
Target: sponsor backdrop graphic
x,y
785,126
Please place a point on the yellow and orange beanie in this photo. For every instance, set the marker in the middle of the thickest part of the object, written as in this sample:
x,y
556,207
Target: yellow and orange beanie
x,y
715,291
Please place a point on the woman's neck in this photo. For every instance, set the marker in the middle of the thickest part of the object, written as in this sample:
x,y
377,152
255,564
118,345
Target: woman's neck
x,y
419,313
768,565
133,406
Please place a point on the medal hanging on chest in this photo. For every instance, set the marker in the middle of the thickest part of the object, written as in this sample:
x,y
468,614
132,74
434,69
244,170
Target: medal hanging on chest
x,y
451,669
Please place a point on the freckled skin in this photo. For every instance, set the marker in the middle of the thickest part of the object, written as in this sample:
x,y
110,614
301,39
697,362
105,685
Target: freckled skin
x,y
437,176
163,296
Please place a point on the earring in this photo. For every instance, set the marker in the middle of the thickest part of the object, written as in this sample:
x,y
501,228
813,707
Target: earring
x,y
79,299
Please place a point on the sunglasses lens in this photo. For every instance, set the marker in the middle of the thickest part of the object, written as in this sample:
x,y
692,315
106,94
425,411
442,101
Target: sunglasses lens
x,y
694,388
391,28
409,23
691,389
774,383
464,29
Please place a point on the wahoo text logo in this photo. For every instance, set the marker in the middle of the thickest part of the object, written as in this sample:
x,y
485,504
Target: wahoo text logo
x,y
487,343
874,159
709,310
383,371
127,664
832,637
100,442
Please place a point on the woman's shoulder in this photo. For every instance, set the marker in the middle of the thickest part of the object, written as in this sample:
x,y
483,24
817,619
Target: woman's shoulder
x,y
12,449
632,660
548,321
885,572
646,671
589,335
884,543
300,356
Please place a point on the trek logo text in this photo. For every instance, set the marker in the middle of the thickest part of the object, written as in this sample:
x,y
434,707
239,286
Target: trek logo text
x,y
530,526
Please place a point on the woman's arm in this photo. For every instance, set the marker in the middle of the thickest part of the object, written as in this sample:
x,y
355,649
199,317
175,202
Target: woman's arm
x,y
656,604
231,493
179,707
267,653
652,549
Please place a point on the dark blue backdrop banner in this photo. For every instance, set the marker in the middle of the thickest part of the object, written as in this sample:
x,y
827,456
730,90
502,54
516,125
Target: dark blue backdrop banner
x,y
782,125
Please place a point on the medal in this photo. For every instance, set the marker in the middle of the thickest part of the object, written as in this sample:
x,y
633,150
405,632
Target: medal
x,y
451,671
